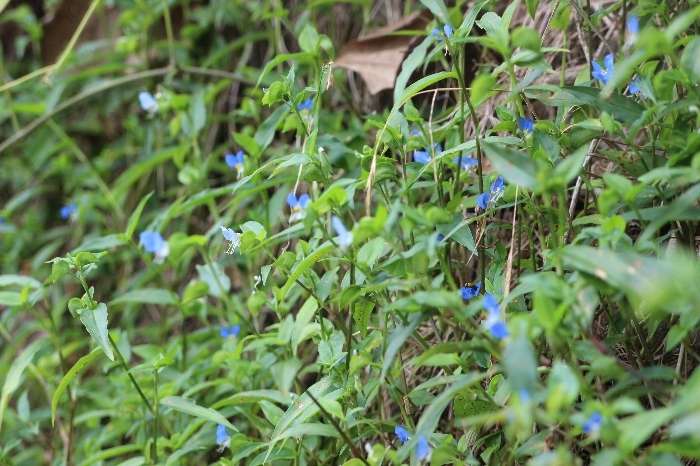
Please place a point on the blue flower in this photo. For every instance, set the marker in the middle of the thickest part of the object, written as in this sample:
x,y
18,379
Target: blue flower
x,y
497,187
422,448
466,162
402,433
593,423
222,439
482,202
231,331
494,323
524,396
415,132
447,29
344,236
153,242
634,88
633,24
232,237
421,156
603,74
469,291
525,124
68,211
297,203
147,102
440,236
306,105
437,147
236,161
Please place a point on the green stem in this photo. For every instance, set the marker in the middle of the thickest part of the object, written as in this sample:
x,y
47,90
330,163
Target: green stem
x,y
169,32
122,362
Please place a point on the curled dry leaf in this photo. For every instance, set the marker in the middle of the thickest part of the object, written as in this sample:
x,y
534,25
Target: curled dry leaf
x,y
377,57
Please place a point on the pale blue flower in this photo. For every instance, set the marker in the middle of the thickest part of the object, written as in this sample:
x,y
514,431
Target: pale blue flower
x,y
222,439
634,88
306,105
147,102
232,237
153,242
297,203
603,74
402,433
68,211
497,187
422,448
466,162
236,161
421,156
593,424
344,236
447,29
490,304
231,331
633,24
525,124
494,322
469,291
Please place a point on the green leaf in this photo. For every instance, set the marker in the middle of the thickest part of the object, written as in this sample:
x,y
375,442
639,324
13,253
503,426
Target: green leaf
x,y
397,339
520,363
532,7
248,144
68,378
458,230
188,406
284,372
309,430
515,167
304,265
308,39
438,9
410,64
194,290
219,283
621,107
266,131
370,252
95,322
146,295
15,372
59,269
10,298
136,215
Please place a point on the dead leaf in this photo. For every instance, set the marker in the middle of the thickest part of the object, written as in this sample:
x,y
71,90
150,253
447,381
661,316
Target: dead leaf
x,y
377,57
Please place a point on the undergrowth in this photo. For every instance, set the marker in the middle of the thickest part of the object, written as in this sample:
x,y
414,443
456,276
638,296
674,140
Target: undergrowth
x,y
217,246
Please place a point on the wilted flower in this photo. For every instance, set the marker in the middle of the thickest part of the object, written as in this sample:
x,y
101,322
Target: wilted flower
x,y
232,237
525,124
298,206
231,331
222,439
633,24
469,291
466,162
69,211
603,74
236,161
593,423
494,323
344,236
154,243
422,448
402,433
148,102
306,105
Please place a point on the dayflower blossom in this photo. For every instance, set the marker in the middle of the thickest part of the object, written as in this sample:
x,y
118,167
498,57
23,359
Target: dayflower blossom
x,y
232,237
236,161
421,156
469,291
482,201
634,88
496,191
525,124
603,74
222,439
231,331
298,206
447,29
306,106
422,448
69,211
153,242
593,423
633,24
344,236
402,433
466,162
494,322
497,187
440,237
148,102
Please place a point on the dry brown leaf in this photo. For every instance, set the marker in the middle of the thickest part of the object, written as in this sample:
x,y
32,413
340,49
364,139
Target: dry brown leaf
x,y
377,57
